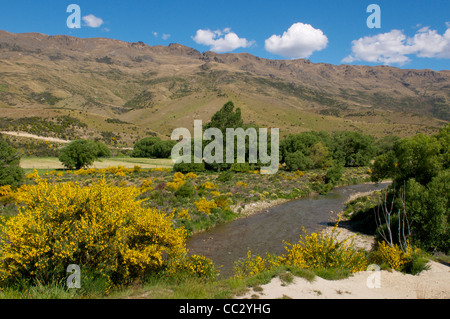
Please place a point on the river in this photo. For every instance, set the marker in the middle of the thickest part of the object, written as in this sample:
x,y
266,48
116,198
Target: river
x,y
265,231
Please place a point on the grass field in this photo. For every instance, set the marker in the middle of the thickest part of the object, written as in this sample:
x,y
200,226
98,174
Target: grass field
x,y
129,162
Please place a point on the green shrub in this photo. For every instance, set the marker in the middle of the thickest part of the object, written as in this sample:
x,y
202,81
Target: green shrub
x,y
353,148
185,190
189,167
10,171
102,150
240,167
298,161
78,154
225,176
334,174
428,209
152,147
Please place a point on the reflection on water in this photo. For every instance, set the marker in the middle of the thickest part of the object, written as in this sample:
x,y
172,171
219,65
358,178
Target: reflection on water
x,y
265,231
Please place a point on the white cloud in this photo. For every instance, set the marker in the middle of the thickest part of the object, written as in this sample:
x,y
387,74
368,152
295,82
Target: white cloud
x,y
221,40
430,44
299,41
394,47
92,21
164,36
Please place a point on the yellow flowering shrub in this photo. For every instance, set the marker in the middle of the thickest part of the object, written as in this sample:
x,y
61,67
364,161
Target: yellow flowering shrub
x,y
203,205
215,193
191,175
182,214
242,184
299,173
20,193
177,181
313,251
194,265
147,185
222,201
6,194
100,227
395,257
32,175
319,250
160,169
5,190
253,265
85,171
208,185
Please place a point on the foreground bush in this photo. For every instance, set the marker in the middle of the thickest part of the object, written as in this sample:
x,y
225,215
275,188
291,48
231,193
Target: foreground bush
x,y
321,251
102,228
411,260
316,251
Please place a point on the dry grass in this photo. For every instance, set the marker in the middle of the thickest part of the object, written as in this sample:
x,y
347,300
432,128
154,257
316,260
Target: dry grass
x,y
54,163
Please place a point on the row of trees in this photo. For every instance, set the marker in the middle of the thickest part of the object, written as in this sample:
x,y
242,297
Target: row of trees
x,y
308,150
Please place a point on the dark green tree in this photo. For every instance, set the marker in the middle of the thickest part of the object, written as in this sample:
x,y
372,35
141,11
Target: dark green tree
x,y
417,157
353,148
10,171
102,150
226,117
303,142
419,164
298,161
320,156
78,154
428,209
144,147
152,147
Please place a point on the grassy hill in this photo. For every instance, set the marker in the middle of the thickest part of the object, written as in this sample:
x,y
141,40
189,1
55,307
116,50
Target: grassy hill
x,y
118,92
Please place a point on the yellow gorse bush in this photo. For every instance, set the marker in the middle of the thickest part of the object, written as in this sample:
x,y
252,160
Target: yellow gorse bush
x,y
244,185
33,175
208,185
194,265
115,170
178,180
395,257
299,173
182,214
319,250
147,185
160,169
100,227
191,175
313,251
253,265
203,205
5,190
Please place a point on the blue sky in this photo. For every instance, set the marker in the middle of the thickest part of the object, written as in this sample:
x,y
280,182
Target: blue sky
x,y
413,34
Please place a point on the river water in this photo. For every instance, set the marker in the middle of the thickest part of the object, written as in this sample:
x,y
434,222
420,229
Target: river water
x,y
265,231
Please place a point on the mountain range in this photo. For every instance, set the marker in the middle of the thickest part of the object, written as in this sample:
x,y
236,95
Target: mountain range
x,y
111,88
